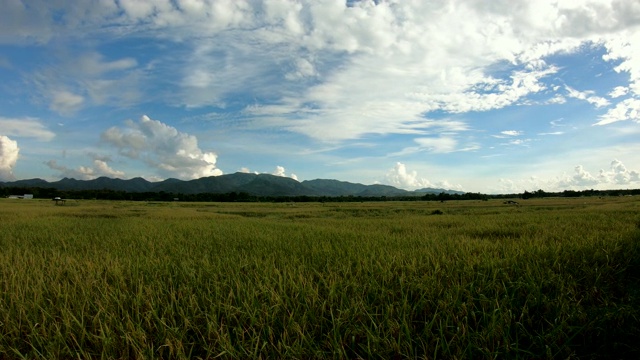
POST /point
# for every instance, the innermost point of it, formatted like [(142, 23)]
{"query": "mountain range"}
[(254, 184)]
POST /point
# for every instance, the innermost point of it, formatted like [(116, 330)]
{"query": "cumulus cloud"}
[(246, 170), (280, 171), (171, 152), (9, 152), (99, 168), (583, 177), (619, 174), (26, 127), (628, 109), (399, 176), (616, 176)]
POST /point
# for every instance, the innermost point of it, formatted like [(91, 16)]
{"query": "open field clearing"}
[(550, 278)]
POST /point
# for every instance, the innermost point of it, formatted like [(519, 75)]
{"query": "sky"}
[(496, 96)]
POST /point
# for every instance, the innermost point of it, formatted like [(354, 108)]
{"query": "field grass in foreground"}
[(552, 278)]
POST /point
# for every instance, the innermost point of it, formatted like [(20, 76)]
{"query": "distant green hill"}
[(254, 184)]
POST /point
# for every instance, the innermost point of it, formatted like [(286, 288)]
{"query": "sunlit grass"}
[(552, 278)]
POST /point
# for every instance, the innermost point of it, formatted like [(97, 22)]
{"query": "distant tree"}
[(570, 193)]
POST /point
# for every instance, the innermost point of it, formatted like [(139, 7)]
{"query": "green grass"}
[(552, 278)]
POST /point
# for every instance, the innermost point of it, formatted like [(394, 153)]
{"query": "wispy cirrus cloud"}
[(407, 77), (341, 53), (26, 127), (588, 96)]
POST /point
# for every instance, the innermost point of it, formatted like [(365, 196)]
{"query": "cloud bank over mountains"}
[(475, 90)]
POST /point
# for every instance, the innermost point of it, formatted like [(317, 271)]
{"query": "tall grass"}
[(549, 279)]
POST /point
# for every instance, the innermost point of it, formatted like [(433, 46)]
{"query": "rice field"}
[(546, 279)]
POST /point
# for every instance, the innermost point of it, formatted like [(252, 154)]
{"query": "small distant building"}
[(25, 196)]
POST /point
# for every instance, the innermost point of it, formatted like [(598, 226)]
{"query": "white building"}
[(25, 196)]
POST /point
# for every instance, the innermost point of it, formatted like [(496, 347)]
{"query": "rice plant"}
[(552, 278)]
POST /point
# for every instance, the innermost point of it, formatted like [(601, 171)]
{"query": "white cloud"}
[(583, 178), (170, 152), (94, 63), (400, 177), (557, 123), (628, 109), (517, 142), (618, 174), (26, 127), (330, 70), (618, 91), (580, 179), (280, 171), (331, 56), (623, 48), (9, 152), (345, 70), (508, 133), (437, 145), (522, 84), (557, 99), (100, 168), (588, 96), (303, 68), (70, 83), (65, 102)]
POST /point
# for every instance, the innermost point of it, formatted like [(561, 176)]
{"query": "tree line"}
[(107, 194)]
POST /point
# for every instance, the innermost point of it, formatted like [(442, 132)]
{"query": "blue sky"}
[(492, 97)]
